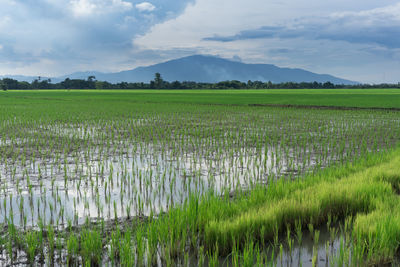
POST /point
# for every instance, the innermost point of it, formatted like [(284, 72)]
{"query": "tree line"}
[(159, 83)]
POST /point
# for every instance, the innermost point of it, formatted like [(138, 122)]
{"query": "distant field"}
[(380, 98)]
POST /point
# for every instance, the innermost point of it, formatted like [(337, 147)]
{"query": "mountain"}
[(210, 69)]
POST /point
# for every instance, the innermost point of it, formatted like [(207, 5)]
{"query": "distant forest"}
[(160, 83)]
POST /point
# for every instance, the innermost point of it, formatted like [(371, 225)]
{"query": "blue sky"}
[(357, 40)]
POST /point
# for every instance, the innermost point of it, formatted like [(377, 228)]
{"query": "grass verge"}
[(365, 191)]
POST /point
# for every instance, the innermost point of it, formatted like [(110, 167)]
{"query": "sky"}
[(357, 40)]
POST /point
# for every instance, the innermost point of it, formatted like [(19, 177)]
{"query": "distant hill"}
[(210, 69)]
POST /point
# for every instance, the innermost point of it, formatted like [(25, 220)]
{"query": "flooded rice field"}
[(67, 172)]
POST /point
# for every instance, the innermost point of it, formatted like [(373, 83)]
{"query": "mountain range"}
[(201, 68)]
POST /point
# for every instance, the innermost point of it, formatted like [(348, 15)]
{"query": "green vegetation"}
[(371, 193), (91, 247), (198, 177), (159, 83), (367, 98)]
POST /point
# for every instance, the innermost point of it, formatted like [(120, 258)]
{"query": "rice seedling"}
[(213, 258), (127, 257), (115, 247), (72, 250), (91, 248), (51, 243), (32, 245), (299, 232)]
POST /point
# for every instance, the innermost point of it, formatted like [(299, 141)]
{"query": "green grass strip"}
[(370, 195)]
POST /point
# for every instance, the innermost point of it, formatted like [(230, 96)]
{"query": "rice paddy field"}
[(200, 178)]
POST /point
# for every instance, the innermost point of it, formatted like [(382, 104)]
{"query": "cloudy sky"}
[(357, 40)]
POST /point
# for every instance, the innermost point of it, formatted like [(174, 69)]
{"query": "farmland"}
[(199, 177), (363, 98)]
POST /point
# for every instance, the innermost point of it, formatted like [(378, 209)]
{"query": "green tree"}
[(3, 86), (158, 81), (328, 85), (10, 83), (91, 82), (176, 85)]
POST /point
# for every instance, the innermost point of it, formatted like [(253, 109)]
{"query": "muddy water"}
[(324, 252)]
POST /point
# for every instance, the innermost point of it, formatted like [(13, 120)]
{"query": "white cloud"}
[(377, 26), (4, 21), (63, 36), (122, 5), (207, 18), (381, 14), (145, 6), (83, 7), (89, 7), (57, 37)]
